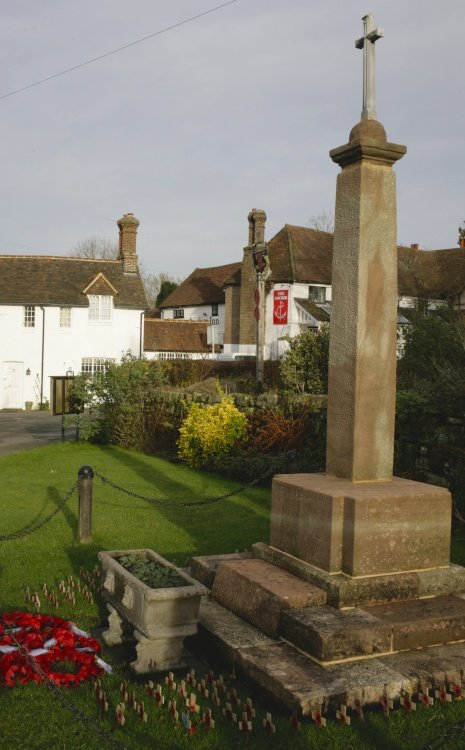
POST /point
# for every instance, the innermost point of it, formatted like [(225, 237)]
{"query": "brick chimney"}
[(247, 329), (415, 246), (127, 243), (257, 219)]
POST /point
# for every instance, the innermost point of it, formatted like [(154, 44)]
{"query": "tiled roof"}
[(432, 274), (60, 280), (175, 335), (203, 287), (301, 254), (315, 310)]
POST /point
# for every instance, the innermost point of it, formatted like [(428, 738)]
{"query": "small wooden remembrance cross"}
[(367, 43)]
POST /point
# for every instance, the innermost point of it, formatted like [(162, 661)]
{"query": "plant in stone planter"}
[(158, 599), (151, 572)]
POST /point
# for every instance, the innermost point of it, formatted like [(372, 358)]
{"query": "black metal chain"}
[(61, 696), (40, 524), (182, 503)]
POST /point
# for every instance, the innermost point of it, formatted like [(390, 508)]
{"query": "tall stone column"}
[(362, 360)]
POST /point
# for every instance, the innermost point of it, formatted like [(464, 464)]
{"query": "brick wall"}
[(232, 311)]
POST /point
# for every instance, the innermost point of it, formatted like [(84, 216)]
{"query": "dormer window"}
[(100, 307), (317, 293)]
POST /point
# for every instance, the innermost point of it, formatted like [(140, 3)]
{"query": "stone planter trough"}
[(161, 617)]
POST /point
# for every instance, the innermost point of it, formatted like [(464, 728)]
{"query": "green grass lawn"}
[(31, 716)]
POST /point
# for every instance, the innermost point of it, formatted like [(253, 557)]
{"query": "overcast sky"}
[(238, 109)]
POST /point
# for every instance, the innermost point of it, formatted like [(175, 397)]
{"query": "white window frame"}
[(100, 308), (94, 365), (65, 317), (178, 313), (29, 316)]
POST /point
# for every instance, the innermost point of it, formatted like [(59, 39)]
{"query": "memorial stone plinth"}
[(361, 529), (374, 548), (359, 533)]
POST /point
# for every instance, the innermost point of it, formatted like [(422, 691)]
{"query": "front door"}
[(12, 385)]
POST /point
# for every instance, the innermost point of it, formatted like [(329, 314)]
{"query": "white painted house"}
[(298, 290), (298, 293), (65, 315)]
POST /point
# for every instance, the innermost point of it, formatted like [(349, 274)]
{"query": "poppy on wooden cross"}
[(407, 703), (245, 725), (425, 698), (341, 715), (319, 720), (207, 719), (228, 713), (443, 695), (268, 725)]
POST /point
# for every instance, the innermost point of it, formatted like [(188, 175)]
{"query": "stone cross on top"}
[(367, 43)]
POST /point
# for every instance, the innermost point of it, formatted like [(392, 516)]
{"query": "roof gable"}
[(100, 285)]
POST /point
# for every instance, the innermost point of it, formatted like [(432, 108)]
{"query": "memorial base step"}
[(297, 682), (259, 592)]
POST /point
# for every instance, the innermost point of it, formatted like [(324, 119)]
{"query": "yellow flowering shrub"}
[(210, 430)]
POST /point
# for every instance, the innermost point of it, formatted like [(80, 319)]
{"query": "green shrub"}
[(304, 367), (210, 430), (120, 400)]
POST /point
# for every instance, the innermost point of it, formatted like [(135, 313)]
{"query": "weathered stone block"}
[(258, 592), (331, 634), (361, 529), (345, 591), (428, 668), (226, 633), (423, 622), (204, 568), (291, 677), (301, 685), (307, 514), (367, 681)]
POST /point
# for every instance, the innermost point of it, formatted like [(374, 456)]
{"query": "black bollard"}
[(85, 477)]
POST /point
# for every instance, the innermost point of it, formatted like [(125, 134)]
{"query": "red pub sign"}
[(280, 306)]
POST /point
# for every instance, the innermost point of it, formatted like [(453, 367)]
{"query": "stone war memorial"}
[(354, 600)]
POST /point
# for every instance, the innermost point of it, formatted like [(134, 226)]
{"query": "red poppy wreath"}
[(34, 647)]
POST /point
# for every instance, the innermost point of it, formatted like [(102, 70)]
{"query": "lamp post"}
[(262, 270)]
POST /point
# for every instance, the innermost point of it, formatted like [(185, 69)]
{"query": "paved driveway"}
[(28, 429)]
